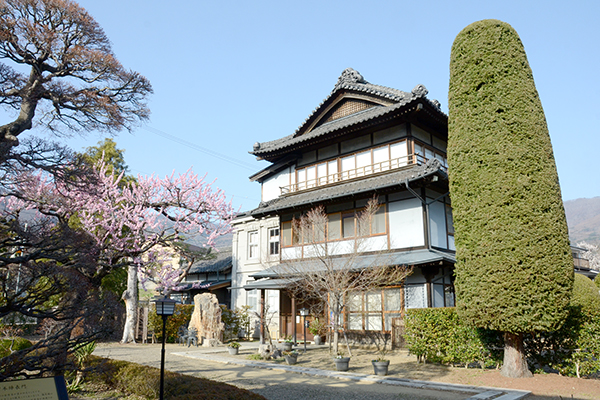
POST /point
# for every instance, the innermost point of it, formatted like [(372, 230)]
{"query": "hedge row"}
[(437, 335)]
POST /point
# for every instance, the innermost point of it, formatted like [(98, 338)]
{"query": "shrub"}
[(181, 316), (14, 344), (437, 335), (231, 321), (574, 349), (144, 381)]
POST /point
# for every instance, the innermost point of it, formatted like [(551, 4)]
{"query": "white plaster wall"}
[(406, 224), (271, 186)]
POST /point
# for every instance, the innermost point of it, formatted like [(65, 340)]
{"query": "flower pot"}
[(341, 364), (381, 367), (318, 340), (233, 350), (286, 346), (290, 360)]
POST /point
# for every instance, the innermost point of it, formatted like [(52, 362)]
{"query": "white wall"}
[(244, 267), (271, 186), (406, 224)]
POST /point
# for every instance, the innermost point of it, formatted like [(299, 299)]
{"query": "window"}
[(273, 241), (252, 299), (348, 226), (339, 226), (374, 310), (253, 244), (286, 233)]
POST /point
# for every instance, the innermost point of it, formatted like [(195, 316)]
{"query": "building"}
[(363, 140), (208, 275)]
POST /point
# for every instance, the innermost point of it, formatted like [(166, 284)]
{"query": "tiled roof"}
[(410, 258), (220, 263), (351, 187), (353, 81)]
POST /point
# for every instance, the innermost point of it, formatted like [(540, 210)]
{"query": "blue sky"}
[(227, 74)]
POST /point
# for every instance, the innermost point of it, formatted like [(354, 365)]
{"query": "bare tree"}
[(319, 273), (74, 80)]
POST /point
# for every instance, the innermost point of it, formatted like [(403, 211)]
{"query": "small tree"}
[(514, 269), (318, 274)]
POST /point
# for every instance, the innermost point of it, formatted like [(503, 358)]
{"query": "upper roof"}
[(352, 101)]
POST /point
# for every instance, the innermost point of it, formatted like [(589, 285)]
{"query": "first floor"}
[(365, 314)]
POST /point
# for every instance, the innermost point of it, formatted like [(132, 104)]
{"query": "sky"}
[(227, 74)]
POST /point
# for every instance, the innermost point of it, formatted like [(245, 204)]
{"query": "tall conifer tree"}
[(514, 269)]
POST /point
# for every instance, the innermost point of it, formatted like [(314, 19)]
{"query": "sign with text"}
[(53, 388)]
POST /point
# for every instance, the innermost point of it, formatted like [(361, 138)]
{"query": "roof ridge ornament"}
[(350, 75), (420, 91)]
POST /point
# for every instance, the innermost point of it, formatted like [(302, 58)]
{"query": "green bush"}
[(144, 381), (437, 335), (181, 316), (231, 321), (574, 349), (15, 344)]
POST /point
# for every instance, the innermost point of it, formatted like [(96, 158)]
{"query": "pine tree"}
[(514, 269)]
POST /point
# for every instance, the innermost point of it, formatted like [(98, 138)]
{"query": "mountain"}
[(583, 218)]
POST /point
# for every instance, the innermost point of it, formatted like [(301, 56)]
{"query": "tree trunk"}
[(130, 296), (515, 364)]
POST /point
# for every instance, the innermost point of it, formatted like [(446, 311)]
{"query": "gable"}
[(345, 104), (351, 94)]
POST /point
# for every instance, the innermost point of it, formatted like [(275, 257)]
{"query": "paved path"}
[(282, 382)]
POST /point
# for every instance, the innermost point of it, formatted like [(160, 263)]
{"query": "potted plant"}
[(317, 329), (341, 362), (291, 357), (233, 347), (380, 366), (287, 344)]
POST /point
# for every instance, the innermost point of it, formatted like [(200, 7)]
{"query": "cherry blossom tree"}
[(133, 225)]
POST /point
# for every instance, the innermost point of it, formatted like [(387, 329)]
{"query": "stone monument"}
[(206, 319)]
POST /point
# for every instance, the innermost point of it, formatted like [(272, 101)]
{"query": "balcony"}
[(358, 173)]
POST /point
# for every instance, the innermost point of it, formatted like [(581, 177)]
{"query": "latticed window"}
[(373, 310)]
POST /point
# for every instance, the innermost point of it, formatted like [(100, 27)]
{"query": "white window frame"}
[(274, 241), (252, 245)]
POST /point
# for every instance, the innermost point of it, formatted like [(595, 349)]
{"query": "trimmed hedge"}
[(144, 381), (438, 335), (514, 268), (181, 316)]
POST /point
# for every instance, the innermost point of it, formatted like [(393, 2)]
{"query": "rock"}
[(206, 318)]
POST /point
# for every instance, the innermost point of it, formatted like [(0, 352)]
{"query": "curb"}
[(479, 392)]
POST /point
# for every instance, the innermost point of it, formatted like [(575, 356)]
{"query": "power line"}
[(200, 148)]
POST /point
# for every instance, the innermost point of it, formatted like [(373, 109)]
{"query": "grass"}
[(124, 380)]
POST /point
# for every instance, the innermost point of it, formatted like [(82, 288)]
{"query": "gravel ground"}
[(272, 384), (278, 384)]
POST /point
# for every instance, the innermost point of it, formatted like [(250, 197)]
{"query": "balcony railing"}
[(388, 165)]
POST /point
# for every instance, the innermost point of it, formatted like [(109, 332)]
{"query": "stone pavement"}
[(278, 381)]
